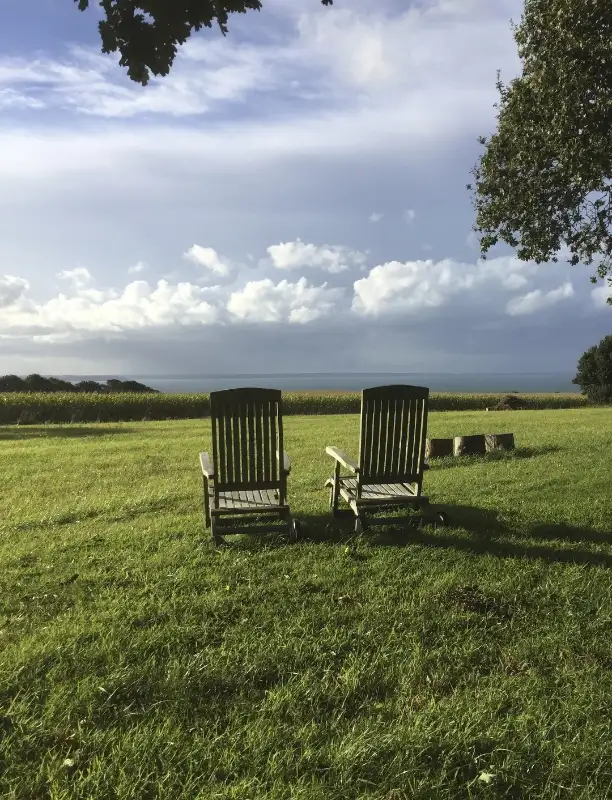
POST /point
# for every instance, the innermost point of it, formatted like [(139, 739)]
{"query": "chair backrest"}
[(393, 434), (247, 432)]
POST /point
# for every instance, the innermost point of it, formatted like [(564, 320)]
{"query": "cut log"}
[(438, 448), (470, 445), (499, 441)]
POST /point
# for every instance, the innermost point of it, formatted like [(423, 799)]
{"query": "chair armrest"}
[(342, 458), (286, 461), (207, 467)]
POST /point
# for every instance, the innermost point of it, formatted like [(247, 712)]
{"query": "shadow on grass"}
[(58, 431), (499, 455), (470, 529)]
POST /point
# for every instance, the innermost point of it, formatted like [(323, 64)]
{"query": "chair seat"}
[(378, 493), (246, 500)]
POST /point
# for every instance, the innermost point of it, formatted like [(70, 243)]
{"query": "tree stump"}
[(499, 441), (438, 448), (470, 445)]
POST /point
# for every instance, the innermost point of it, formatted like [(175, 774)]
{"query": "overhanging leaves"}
[(147, 33), (544, 181)]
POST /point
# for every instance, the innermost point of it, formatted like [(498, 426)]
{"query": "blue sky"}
[(291, 197)]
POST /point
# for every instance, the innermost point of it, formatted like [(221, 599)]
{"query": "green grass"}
[(68, 407), (138, 662)]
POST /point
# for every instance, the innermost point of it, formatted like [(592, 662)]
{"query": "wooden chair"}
[(389, 473), (248, 475)]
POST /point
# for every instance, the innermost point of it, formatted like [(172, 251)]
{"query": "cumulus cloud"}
[(137, 307), (265, 301), (414, 287), (411, 286), (411, 289), (330, 258), (79, 277), (537, 300), (601, 294), (375, 217), (137, 268), (209, 259), (409, 215), (11, 290)]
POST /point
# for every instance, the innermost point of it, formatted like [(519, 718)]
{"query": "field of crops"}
[(33, 408)]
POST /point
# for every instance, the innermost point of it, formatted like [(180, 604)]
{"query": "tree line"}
[(38, 383)]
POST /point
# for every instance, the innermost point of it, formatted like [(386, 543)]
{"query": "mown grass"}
[(32, 408), (471, 661)]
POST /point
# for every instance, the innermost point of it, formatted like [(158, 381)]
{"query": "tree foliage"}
[(544, 181), (147, 33), (594, 375), (38, 383)]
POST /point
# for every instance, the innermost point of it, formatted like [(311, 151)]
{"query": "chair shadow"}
[(57, 431), (519, 454), (487, 534)]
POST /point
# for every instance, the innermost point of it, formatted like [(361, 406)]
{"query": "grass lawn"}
[(136, 661)]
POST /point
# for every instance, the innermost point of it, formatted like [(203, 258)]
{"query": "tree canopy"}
[(594, 374), (543, 183), (38, 383), (147, 33)]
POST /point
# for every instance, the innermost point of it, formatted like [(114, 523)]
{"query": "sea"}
[(504, 383)]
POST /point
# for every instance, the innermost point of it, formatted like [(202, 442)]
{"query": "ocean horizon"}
[(333, 381)]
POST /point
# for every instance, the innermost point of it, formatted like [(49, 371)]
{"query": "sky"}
[(292, 197)]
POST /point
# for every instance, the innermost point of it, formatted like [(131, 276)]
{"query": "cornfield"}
[(33, 408)]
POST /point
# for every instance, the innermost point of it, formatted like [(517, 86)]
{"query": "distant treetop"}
[(36, 383)]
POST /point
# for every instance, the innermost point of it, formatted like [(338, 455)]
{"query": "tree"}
[(594, 375), (147, 32), (543, 183)]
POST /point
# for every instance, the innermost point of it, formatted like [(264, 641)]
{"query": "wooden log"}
[(438, 448), (499, 441), (470, 445)]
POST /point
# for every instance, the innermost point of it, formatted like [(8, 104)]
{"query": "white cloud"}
[(137, 268), (395, 286), (416, 287), (11, 290), (375, 216), (89, 311), (330, 258), (209, 259), (434, 44), (79, 277), (91, 83), (601, 294), (409, 215), (537, 299), (265, 301), (13, 99)]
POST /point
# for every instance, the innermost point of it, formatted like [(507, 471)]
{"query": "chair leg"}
[(218, 540), (335, 490), (206, 503)]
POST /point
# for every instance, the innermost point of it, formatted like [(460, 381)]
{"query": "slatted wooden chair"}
[(247, 479), (389, 473)]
